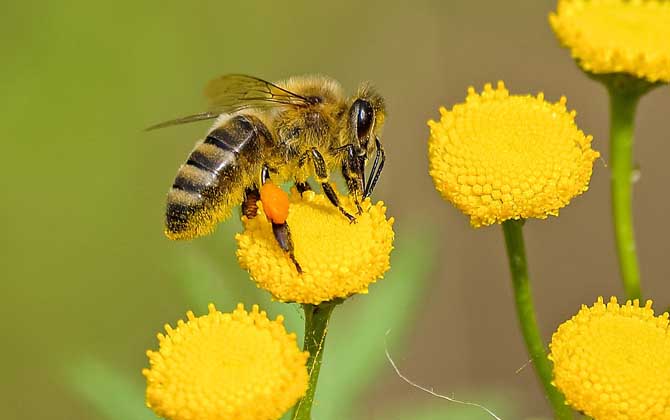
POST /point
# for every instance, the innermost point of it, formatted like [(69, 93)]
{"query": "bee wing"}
[(234, 92), (184, 120)]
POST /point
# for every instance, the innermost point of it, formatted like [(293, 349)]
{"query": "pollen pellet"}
[(275, 203)]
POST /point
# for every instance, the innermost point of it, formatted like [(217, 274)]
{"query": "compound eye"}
[(364, 118)]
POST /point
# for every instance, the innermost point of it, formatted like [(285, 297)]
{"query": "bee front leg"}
[(321, 172), (377, 166), (352, 171)]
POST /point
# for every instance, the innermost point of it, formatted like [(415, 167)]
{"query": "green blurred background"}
[(88, 277)]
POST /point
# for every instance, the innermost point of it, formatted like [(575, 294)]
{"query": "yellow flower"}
[(613, 362), (617, 36), (338, 258), (500, 156), (232, 366)]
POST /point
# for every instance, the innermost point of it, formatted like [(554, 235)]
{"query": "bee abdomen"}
[(209, 184), (193, 179)]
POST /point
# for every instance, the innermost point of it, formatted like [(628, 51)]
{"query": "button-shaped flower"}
[(617, 36), (226, 366), (499, 156), (338, 258), (612, 361)]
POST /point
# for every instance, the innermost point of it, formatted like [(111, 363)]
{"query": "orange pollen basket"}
[(275, 203)]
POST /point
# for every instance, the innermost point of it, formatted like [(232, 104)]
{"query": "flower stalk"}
[(516, 253), (317, 318), (625, 92), (622, 115)]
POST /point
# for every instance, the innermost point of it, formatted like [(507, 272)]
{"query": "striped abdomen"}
[(213, 179)]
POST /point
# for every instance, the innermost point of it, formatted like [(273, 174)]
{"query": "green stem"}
[(622, 109), (625, 92), (516, 254), (316, 328)]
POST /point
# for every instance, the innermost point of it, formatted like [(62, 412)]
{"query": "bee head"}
[(366, 119)]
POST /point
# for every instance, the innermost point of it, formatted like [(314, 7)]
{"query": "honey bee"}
[(287, 131)]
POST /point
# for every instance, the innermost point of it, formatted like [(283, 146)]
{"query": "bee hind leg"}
[(281, 231), (283, 236)]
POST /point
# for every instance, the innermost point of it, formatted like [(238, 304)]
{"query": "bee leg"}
[(252, 196), (281, 231), (265, 174), (250, 203), (332, 197), (283, 236), (302, 187), (322, 176), (377, 166), (354, 175)]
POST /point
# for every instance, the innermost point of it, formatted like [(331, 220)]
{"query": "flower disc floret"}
[(338, 258), (500, 156), (612, 361), (617, 36), (226, 366)]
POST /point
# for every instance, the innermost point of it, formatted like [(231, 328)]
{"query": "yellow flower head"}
[(617, 36), (612, 361), (232, 366), (500, 156), (338, 258)]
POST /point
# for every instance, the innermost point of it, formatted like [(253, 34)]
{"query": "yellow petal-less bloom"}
[(338, 258), (226, 366), (613, 361), (617, 36), (499, 156)]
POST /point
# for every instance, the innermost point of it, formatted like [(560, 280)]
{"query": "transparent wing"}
[(184, 120), (235, 92)]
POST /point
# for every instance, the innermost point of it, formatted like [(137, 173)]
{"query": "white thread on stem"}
[(430, 391)]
